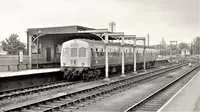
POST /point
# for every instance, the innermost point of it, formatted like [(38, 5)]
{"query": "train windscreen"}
[(82, 52), (73, 52), (66, 52)]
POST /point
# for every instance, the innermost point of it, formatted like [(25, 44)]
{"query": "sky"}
[(173, 20)]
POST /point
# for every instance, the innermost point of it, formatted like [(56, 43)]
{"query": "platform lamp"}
[(39, 34)]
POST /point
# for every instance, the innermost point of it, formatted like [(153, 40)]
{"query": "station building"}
[(44, 44), (185, 52)]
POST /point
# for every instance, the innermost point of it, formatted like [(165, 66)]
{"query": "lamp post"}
[(37, 38), (134, 38), (144, 51)]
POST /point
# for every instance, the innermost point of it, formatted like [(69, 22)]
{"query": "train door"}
[(48, 54), (92, 56)]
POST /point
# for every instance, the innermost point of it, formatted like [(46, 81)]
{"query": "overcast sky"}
[(177, 20)]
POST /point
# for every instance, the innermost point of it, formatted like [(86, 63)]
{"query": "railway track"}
[(67, 101), (155, 100), (34, 89), (38, 88)]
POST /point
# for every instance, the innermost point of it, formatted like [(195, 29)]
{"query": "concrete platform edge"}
[(177, 93)]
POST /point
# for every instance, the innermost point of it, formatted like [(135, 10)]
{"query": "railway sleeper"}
[(66, 99), (147, 109), (65, 110), (72, 107), (80, 105), (31, 111), (149, 104)]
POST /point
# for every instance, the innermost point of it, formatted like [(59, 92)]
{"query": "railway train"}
[(84, 59)]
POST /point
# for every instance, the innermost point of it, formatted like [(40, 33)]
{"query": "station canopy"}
[(64, 31)]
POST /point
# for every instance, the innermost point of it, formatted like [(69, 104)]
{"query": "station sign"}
[(20, 56)]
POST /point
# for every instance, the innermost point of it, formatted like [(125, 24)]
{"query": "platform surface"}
[(187, 99), (28, 72)]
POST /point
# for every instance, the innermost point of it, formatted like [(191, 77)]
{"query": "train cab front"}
[(74, 58)]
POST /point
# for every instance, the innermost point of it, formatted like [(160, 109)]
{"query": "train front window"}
[(73, 52), (66, 52), (82, 52)]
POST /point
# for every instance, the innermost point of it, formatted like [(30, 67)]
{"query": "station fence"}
[(11, 63)]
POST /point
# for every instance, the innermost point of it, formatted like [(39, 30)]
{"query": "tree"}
[(182, 46), (196, 47), (12, 45)]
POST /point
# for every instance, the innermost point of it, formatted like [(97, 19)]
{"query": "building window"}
[(58, 48)]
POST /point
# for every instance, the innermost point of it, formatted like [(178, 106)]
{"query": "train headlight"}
[(64, 63)]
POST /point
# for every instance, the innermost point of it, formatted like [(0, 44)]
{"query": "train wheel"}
[(97, 73), (91, 75), (65, 74), (68, 75), (85, 76)]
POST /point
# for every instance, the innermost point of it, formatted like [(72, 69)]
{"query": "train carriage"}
[(85, 59)]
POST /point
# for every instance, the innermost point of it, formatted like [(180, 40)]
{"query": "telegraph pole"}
[(171, 43), (147, 39)]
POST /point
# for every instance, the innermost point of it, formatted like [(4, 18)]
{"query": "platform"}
[(186, 99), (26, 78), (28, 72)]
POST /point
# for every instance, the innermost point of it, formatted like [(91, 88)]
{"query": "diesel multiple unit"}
[(85, 59)]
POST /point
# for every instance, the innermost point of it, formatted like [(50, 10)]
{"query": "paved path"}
[(188, 99)]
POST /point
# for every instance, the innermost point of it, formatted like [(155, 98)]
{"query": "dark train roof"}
[(111, 43)]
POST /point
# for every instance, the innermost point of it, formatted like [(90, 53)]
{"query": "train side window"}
[(102, 52), (114, 53), (82, 52), (96, 52), (125, 53), (92, 52), (66, 52), (130, 52), (110, 53), (119, 52), (142, 52)]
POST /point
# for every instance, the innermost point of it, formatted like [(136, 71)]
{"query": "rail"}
[(135, 106)]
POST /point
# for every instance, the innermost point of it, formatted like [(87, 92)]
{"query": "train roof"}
[(111, 43)]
